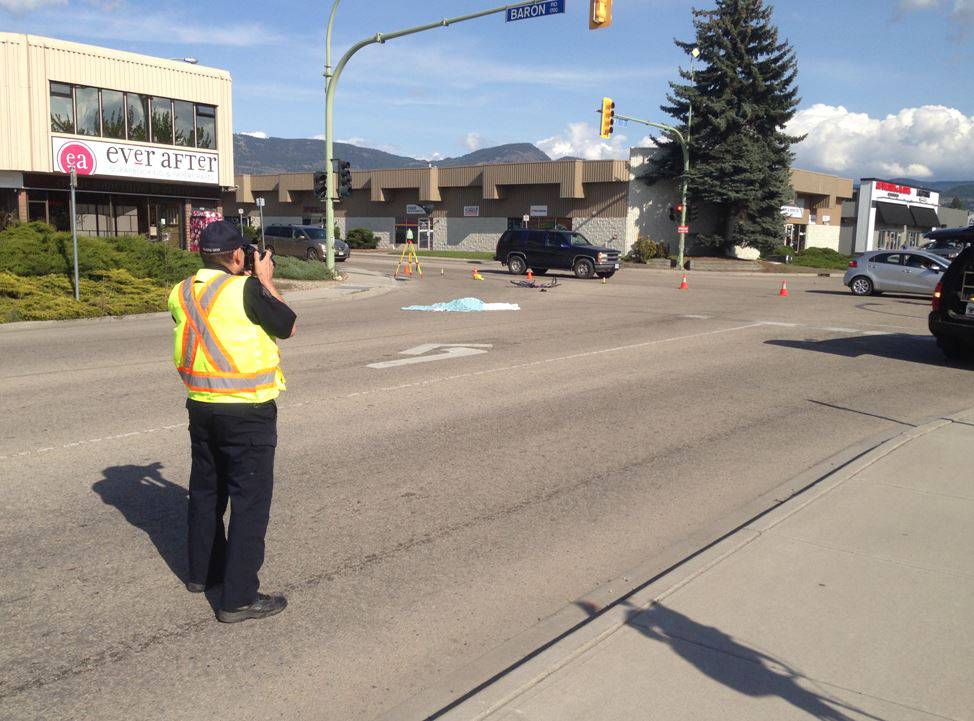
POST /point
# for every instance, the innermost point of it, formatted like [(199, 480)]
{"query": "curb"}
[(478, 689)]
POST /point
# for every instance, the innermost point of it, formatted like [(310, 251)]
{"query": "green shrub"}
[(783, 250), (51, 297), (644, 250), (290, 268), (821, 258), (361, 238)]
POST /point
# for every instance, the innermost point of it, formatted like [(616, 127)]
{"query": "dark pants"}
[(233, 459)]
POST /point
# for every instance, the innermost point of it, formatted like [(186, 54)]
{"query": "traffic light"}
[(321, 186), (672, 213), (678, 211), (599, 14), (343, 169), (608, 117)]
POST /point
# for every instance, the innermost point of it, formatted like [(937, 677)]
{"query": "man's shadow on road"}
[(153, 504), (738, 667)]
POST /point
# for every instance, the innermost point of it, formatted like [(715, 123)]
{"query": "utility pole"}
[(331, 82), (74, 232)]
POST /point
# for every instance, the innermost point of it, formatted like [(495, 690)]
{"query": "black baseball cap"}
[(220, 237)]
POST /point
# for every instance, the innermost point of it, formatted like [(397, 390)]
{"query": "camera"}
[(249, 257)]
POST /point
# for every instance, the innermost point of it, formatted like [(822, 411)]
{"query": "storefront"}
[(457, 208), (892, 215), (150, 139)]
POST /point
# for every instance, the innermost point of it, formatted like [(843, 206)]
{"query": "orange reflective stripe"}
[(213, 336), (213, 351)]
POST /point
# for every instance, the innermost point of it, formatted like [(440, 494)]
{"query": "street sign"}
[(683, 229), (535, 10), (260, 201), (413, 209)]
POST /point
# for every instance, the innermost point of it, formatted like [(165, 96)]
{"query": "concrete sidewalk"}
[(852, 600)]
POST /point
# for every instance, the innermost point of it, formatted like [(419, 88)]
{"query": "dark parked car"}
[(302, 241), (951, 318), (948, 242), (541, 250)]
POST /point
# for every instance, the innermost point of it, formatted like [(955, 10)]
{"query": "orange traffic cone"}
[(683, 283), (474, 274), (784, 289), (530, 274), (407, 269)]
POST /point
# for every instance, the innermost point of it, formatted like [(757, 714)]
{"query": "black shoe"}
[(263, 607)]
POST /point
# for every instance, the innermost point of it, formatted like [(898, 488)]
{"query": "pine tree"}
[(742, 96)]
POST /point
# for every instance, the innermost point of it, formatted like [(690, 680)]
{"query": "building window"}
[(161, 113), (183, 125), (113, 114), (88, 111), (62, 108), (137, 112), (205, 126)]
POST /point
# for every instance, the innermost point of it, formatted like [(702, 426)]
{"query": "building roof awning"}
[(924, 216), (894, 214)]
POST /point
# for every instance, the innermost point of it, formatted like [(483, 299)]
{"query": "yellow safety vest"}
[(220, 354)]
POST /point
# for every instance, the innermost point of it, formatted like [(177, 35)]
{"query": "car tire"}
[(313, 254), (606, 274), (516, 265), (861, 285), (584, 268), (539, 271)]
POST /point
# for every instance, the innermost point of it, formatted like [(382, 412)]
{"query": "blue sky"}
[(886, 85)]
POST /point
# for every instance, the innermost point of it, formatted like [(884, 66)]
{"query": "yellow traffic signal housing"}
[(608, 117), (599, 14)]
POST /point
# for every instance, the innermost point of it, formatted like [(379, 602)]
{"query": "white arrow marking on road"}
[(450, 350)]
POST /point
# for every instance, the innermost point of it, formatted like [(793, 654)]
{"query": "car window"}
[(893, 258), (271, 230), (300, 234), (557, 240), (919, 261)]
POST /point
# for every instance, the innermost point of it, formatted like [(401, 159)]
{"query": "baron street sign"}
[(535, 10)]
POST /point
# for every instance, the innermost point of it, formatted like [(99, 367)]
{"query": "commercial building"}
[(151, 139), (885, 214), (813, 219), (457, 208)]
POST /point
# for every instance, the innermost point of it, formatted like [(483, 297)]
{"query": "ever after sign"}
[(99, 157)]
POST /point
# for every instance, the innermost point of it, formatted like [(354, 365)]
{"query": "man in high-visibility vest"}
[(227, 319)]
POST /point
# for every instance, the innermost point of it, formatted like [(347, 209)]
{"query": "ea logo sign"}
[(77, 156)]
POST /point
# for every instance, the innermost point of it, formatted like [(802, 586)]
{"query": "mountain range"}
[(301, 155), (948, 189)]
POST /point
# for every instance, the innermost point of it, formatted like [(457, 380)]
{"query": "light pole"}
[(331, 82), (694, 54)]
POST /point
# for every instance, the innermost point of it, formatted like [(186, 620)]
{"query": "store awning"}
[(924, 216), (894, 214)]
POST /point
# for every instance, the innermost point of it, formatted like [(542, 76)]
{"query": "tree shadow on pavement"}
[(151, 503), (722, 658), (896, 346)]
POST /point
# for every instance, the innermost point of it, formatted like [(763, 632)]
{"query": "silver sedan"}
[(895, 271)]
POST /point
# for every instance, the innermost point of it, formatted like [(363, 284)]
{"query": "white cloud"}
[(924, 142), (582, 140), (22, 6), (961, 11), (361, 142), (473, 141), (255, 134)]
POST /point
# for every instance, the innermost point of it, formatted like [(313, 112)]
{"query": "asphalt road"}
[(424, 514)]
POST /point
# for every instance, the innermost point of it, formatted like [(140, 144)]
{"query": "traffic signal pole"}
[(331, 82), (683, 184)]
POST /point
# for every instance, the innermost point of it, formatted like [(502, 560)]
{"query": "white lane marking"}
[(428, 382), (699, 317), (450, 350)]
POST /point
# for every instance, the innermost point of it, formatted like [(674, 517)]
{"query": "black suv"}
[(540, 250), (951, 318)]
